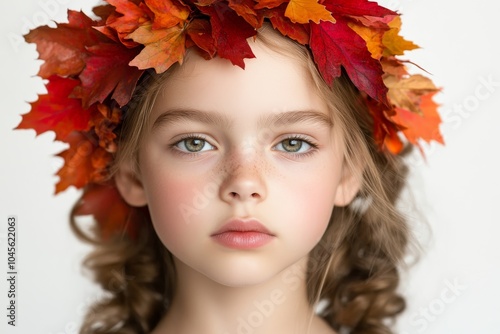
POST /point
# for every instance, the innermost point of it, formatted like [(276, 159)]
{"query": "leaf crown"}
[(92, 68)]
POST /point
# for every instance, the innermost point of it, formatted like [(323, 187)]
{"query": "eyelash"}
[(311, 151)]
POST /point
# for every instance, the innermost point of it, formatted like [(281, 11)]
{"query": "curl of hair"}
[(354, 268)]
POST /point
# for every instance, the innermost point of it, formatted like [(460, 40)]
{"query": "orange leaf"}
[(372, 37), (394, 43), (84, 162), (303, 11), (168, 13), (163, 47), (424, 126)]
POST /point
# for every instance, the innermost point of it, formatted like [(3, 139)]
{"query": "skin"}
[(240, 169)]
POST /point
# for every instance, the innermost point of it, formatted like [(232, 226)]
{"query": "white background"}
[(453, 288)]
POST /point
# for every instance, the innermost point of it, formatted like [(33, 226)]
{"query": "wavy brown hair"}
[(353, 270)]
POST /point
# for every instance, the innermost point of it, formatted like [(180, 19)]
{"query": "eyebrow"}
[(213, 118)]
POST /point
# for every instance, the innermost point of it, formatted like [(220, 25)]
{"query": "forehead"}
[(270, 83)]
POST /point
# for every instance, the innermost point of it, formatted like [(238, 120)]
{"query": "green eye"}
[(194, 144), (294, 145)]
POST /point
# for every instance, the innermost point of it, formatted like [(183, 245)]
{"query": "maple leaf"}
[(63, 48), (357, 8), (385, 132), (269, 3), (104, 122), (245, 9), (423, 126), (55, 111), (303, 11), (200, 32), (126, 18), (111, 212), (108, 71), (336, 45), (372, 37), (394, 67), (296, 31), (230, 32), (167, 13), (84, 162), (163, 47), (405, 93), (395, 44)]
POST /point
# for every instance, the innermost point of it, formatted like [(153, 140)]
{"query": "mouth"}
[(243, 234)]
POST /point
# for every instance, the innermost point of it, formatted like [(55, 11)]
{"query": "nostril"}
[(233, 194), (255, 195)]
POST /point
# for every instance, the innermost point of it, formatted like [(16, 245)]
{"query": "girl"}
[(257, 198)]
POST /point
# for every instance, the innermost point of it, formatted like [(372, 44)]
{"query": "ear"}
[(129, 186), (349, 186)]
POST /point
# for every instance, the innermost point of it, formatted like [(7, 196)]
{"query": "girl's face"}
[(231, 144)]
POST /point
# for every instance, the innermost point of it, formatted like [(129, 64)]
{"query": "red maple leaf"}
[(296, 31), (108, 71), (84, 162), (111, 212), (56, 111), (63, 48), (245, 9), (230, 32), (200, 33), (356, 8), (334, 45)]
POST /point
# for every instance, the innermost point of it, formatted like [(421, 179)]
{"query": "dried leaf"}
[(55, 111), (406, 93), (84, 162), (112, 213), (295, 31), (200, 32), (245, 9), (336, 45), (107, 72), (423, 126), (357, 8), (163, 47), (167, 13), (393, 42), (269, 3), (230, 32), (126, 18), (303, 11), (63, 48)]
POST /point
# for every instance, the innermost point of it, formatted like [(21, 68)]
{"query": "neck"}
[(279, 305)]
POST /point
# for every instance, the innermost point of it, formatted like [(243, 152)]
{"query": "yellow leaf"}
[(303, 11), (372, 37), (395, 44)]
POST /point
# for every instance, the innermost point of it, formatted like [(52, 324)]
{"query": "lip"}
[(243, 234)]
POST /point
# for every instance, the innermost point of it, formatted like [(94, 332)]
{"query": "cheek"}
[(171, 202)]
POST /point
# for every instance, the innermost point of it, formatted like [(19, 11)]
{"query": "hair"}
[(353, 270)]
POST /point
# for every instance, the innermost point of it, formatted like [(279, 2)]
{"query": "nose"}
[(243, 182)]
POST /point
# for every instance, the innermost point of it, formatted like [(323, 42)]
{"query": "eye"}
[(295, 144), (193, 144)]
